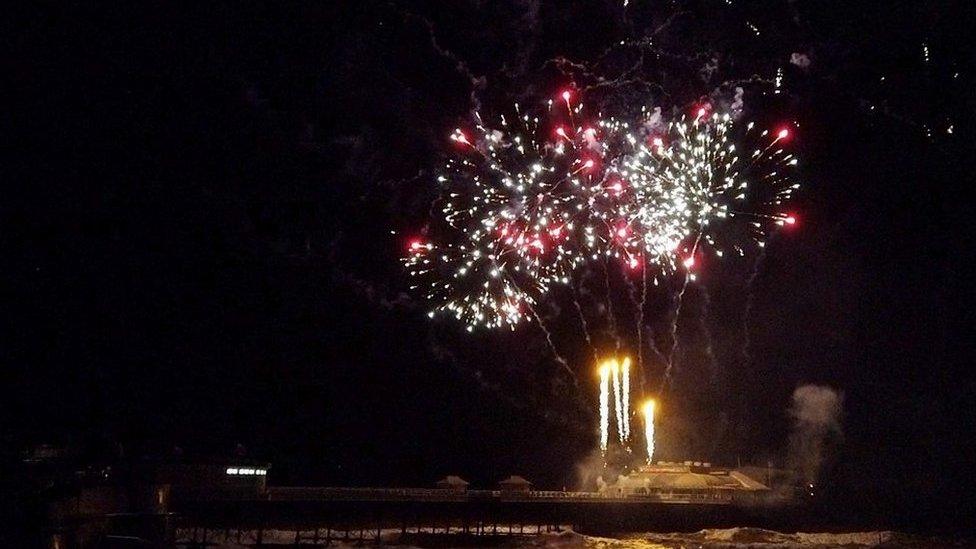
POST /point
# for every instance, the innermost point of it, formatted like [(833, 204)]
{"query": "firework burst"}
[(521, 203), (527, 202), (689, 185)]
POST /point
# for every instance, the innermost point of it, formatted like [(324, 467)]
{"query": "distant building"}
[(42, 453), (234, 478), (688, 481), (515, 483), (453, 483)]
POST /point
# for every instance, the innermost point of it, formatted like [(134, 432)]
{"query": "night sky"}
[(197, 243)]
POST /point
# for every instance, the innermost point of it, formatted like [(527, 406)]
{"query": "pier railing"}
[(300, 493)]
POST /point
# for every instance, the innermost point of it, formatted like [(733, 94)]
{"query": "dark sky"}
[(197, 239)]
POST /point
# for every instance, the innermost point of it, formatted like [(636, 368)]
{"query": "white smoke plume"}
[(816, 413), (655, 122), (592, 143), (590, 471), (800, 60), (736, 106)]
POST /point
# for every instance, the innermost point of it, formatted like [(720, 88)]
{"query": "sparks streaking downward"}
[(648, 412), (530, 200), (615, 377), (604, 405)]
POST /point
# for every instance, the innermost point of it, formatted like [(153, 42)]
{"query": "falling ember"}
[(648, 412)]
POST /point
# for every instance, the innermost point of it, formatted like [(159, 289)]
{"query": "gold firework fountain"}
[(615, 378), (648, 412)]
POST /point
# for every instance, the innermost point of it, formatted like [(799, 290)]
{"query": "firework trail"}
[(584, 324), (552, 346), (750, 302), (611, 317), (640, 330), (638, 321), (673, 332)]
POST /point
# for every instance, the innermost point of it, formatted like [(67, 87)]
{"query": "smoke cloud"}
[(816, 413), (800, 60), (655, 122), (736, 106)]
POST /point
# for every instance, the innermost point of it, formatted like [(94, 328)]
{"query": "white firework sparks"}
[(527, 203)]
